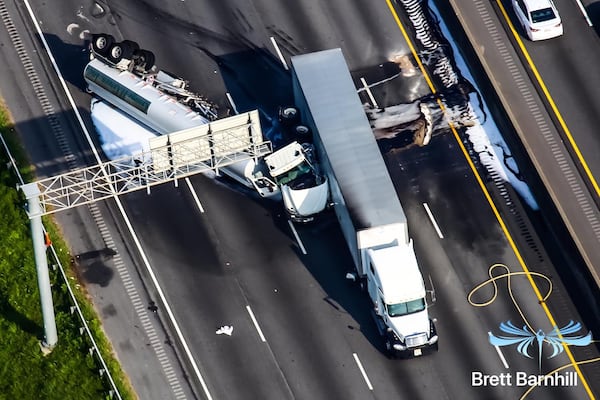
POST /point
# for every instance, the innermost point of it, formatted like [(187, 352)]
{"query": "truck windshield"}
[(298, 175), (413, 306)]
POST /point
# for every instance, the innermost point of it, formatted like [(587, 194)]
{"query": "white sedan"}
[(539, 18)]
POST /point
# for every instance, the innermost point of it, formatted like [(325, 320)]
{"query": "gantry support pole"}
[(35, 212)]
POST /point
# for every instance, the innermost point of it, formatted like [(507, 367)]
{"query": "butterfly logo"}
[(525, 338)]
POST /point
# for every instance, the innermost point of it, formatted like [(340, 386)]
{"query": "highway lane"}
[(193, 34), (384, 373), (561, 176), (199, 280), (566, 66), (472, 243)]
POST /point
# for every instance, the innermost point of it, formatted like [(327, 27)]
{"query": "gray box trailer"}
[(364, 199)]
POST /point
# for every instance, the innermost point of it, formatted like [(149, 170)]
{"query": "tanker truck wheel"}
[(144, 59), (101, 43), (122, 50)]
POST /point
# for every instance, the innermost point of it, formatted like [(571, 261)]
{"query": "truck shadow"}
[(70, 58), (328, 261), (593, 12), (255, 79)]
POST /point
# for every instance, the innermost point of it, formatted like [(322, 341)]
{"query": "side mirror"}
[(431, 292), (351, 276)]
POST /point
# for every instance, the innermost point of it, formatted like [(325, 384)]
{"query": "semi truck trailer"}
[(365, 202)]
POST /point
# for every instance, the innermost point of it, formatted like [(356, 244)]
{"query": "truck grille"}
[(416, 340)]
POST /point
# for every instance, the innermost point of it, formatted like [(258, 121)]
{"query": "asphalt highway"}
[(300, 330)]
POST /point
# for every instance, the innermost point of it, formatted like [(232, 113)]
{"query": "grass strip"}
[(70, 371)]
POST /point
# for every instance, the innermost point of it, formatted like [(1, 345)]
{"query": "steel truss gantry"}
[(170, 157)]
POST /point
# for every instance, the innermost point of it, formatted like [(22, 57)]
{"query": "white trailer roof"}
[(346, 135)]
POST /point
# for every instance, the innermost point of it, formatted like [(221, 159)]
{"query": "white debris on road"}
[(225, 330)]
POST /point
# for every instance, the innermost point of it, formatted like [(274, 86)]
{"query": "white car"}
[(539, 18)]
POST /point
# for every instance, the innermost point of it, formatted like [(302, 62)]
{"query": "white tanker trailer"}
[(140, 99)]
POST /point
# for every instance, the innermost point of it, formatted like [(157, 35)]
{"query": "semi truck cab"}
[(396, 288), (304, 189)]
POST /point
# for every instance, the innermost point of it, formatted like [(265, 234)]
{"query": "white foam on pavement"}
[(120, 136)]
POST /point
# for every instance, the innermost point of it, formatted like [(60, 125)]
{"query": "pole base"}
[(45, 347)]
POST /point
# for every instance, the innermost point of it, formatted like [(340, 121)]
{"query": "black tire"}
[(362, 284), (303, 134), (122, 50), (389, 349), (289, 116), (101, 43), (144, 59)]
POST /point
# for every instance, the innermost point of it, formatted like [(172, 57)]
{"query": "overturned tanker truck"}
[(126, 76)]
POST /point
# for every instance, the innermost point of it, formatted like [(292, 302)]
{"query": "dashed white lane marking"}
[(194, 195), (362, 371), (500, 355), (297, 237), (231, 102), (262, 337), (435, 225), (279, 53), (368, 90)]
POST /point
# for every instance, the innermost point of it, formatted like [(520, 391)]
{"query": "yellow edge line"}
[(557, 113), (489, 198)]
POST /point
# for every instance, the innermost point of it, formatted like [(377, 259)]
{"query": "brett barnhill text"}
[(520, 378)]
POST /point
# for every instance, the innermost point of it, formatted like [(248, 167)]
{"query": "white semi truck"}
[(125, 76), (365, 202)]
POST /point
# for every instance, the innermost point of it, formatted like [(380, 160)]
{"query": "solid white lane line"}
[(231, 102), (362, 371), (167, 307), (279, 53), (262, 337), (368, 89), (194, 195), (297, 237), (435, 225), (500, 355)]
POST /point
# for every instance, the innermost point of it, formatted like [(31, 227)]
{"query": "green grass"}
[(69, 371)]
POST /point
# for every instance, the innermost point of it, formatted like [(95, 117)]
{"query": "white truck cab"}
[(396, 287), (303, 188)]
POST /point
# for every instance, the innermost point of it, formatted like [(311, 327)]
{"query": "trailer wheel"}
[(101, 43), (289, 116), (303, 134), (122, 50), (144, 59)]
